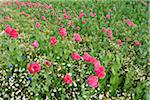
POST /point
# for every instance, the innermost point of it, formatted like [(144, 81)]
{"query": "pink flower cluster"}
[(35, 67), (66, 16), (98, 69)]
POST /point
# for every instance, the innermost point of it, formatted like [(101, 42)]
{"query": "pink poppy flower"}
[(82, 14), (34, 67), (79, 28), (43, 18), (38, 25), (2, 13), (103, 29), (26, 15), (59, 19), (11, 32), (108, 16), (46, 6), (92, 14), (35, 44), (8, 29), (14, 34), (53, 40), (93, 81), (94, 60), (77, 37), (130, 23), (87, 57), (119, 42), (99, 69), (97, 63), (48, 63), (38, 15), (67, 79), (30, 5), (51, 7), (101, 74), (62, 31), (7, 18), (75, 56), (137, 43), (35, 5)]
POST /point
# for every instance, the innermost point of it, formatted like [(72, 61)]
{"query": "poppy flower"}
[(67, 79), (11, 32), (93, 81), (62, 31), (76, 56), (35, 44), (38, 25), (77, 37), (53, 40), (137, 43), (34, 68)]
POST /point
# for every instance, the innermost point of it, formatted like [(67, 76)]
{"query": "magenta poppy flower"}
[(92, 14), (119, 42), (87, 57), (35, 44), (11, 32), (103, 29), (67, 79), (101, 74), (43, 18), (34, 67), (130, 23), (93, 81), (75, 56), (53, 40), (108, 16), (77, 37), (82, 14), (48, 63), (62, 31), (38, 25), (137, 43)]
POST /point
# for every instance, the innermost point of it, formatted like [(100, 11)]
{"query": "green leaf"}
[(114, 82)]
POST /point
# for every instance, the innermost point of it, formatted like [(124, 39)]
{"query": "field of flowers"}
[(74, 50)]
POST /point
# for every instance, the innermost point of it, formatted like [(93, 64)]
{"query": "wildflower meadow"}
[(74, 50)]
